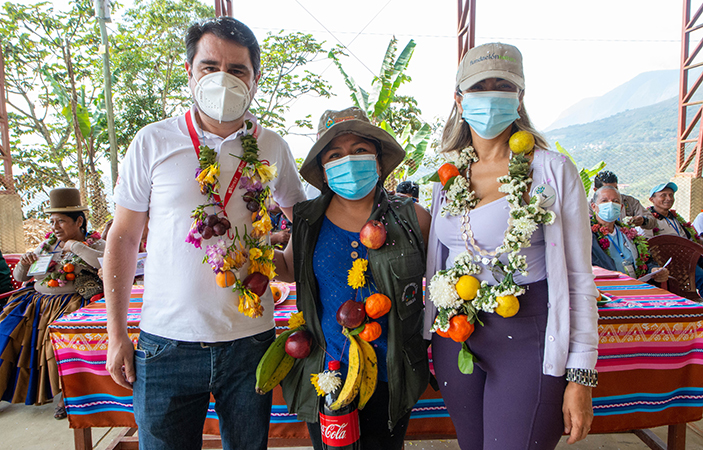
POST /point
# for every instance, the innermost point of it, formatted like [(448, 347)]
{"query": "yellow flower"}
[(214, 173), (267, 173), (228, 263), (240, 258), (313, 379), (255, 266), (263, 226), (255, 253), (357, 274), (296, 320), (269, 254), (250, 304), (268, 269)]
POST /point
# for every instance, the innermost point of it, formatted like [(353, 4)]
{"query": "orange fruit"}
[(53, 283), (225, 279), (444, 334), (371, 332), (68, 268), (377, 305), (446, 172), (276, 293), (70, 276), (459, 328)]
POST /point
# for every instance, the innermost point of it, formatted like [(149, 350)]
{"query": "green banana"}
[(278, 375), (354, 376), (370, 377), (271, 360)]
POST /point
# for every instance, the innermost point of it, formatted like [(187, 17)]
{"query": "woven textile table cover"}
[(650, 366)]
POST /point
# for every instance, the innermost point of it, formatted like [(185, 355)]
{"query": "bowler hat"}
[(63, 200)]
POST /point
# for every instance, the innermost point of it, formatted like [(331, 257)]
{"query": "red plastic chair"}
[(12, 260), (684, 256)]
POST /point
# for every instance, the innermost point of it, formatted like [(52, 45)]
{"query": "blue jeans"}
[(173, 386)]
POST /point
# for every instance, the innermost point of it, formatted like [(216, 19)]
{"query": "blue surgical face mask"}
[(352, 177), (609, 211), (490, 113)]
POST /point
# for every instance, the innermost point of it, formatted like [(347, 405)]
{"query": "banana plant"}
[(586, 175), (414, 144)]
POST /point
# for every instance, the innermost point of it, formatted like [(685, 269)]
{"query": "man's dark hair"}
[(408, 187), (605, 177), (224, 28)]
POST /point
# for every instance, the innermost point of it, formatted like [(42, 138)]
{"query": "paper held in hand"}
[(647, 277), (141, 260), (40, 266)]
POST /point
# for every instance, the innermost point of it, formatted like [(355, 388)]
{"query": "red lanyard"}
[(237, 175)]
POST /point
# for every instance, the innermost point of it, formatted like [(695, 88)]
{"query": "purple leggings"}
[(507, 403)]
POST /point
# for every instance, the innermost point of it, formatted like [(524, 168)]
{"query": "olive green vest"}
[(397, 268)]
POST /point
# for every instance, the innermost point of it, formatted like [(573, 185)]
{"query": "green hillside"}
[(639, 145)]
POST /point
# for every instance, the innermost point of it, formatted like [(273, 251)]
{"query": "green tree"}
[(284, 77), (148, 55), (397, 114), (53, 108)]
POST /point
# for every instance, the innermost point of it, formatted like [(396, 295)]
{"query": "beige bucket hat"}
[(351, 120)]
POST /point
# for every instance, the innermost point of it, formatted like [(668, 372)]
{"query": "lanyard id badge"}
[(629, 269)]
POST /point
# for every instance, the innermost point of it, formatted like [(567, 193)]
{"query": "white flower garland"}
[(522, 223)]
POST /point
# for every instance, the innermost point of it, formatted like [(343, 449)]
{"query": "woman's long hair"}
[(457, 133)]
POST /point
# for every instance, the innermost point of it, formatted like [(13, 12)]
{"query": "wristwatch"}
[(586, 377)]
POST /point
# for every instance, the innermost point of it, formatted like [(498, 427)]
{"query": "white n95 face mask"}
[(222, 96)]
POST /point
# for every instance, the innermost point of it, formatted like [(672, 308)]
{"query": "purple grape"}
[(207, 232), (225, 223), (211, 220), (219, 229), (253, 206), (249, 196)]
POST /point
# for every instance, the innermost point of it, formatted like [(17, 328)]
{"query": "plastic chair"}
[(684, 256), (12, 261)]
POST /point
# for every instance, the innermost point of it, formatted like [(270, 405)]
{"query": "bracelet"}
[(586, 377)]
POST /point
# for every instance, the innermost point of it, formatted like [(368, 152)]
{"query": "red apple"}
[(351, 314), (299, 344), (257, 282), (373, 234)]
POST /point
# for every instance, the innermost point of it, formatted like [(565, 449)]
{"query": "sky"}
[(571, 49)]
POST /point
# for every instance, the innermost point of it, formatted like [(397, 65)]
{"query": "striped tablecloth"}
[(650, 366)]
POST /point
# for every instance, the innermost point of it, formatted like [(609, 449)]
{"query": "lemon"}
[(521, 142), (467, 287), (508, 306)]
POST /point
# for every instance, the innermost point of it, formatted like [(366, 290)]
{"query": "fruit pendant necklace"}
[(247, 246), (448, 292)]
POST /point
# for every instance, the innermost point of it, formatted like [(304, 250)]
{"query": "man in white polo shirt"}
[(197, 337)]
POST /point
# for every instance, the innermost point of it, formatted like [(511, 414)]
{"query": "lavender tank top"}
[(488, 223)]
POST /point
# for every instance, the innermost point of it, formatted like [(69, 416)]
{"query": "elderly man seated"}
[(616, 246), (668, 222), (631, 207)]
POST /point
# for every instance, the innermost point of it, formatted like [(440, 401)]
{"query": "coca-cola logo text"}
[(335, 431)]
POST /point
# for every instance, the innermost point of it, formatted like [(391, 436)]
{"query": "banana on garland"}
[(370, 371), (362, 375), (274, 365)]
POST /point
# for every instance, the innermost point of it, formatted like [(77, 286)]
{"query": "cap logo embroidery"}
[(492, 56)]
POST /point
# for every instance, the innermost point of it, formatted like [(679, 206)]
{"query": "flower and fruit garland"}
[(692, 233), (458, 295), (61, 272), (640, 242), (357, 325), (249, 245)]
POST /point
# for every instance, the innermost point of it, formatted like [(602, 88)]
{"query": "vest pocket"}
[(408, 271)]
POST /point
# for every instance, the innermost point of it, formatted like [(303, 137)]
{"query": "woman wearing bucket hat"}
[(64, 268), (336, 261), (513, 270)]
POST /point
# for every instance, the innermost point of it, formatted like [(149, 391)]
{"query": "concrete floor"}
[(34, 428)]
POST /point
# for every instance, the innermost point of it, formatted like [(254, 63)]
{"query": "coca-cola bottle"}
[(340, 428)]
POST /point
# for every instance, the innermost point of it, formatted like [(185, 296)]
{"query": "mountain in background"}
[(638, 145), (645, 89)]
